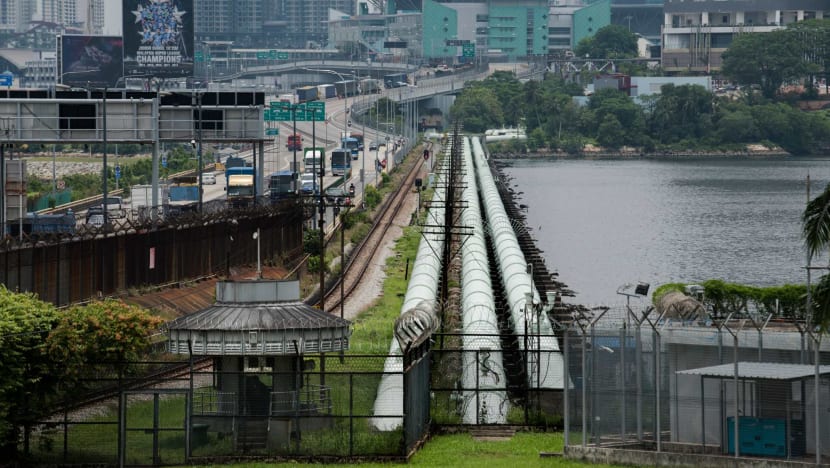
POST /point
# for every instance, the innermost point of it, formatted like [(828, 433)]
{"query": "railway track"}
[(171, 372), (363, 254)]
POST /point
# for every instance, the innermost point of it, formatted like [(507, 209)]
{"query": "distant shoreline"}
[(663, 155)]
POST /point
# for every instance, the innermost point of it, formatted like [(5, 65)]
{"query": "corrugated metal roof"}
[(258, 316), (759, 370)]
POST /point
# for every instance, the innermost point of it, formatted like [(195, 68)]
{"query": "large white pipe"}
[(543, 358), (422, 287), (482, 366)]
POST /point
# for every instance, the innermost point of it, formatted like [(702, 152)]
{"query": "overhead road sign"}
[(468, 50), (303, 112), (394, 45)]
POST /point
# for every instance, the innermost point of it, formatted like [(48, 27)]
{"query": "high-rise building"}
[(308, 21), (239, 21), (64, 12), (15, 15), (93, 15)]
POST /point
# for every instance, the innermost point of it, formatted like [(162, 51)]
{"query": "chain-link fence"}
[(516, 383), (646, 381), (310, 406)]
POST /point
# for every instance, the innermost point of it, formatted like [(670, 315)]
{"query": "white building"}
[(695, 34)]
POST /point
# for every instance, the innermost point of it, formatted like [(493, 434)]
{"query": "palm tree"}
[(816, 232)]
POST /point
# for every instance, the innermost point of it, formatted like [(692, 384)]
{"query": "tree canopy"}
[(47, 352), (769, 60), (612, 41)]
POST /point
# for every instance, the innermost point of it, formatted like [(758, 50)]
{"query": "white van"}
[(208, 178)]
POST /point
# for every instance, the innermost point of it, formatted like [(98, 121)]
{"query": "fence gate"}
[(153, 428)]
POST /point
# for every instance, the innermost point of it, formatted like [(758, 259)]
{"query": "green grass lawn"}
[(461, 450)]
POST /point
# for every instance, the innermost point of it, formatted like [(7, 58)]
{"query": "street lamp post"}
[(104, 128), (199, 147), (345, 93)]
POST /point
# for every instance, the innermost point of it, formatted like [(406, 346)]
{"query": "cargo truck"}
[(234, 161), (141, 200), (295, 142), (370, 86), (346, 88), (306, 94), (326, 91), (183, 195), (313, 160), (240, 186)]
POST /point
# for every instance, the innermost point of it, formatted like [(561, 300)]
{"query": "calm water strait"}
[(605, 223)]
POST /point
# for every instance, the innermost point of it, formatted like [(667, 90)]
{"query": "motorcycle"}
[(351, 190)]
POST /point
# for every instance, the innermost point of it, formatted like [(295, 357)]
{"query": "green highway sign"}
[(315, 110), (468, 50), (272, 54), (281, 111), (272, 131), (198, 57), (303, 112), (262, 55), (282, 55)]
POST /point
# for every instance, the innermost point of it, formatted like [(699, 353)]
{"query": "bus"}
[(281, 185), (341, 162), (351, 144)]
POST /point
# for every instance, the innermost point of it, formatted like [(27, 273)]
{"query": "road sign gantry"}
[(302, 112)]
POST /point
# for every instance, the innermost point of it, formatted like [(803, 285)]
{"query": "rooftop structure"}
[(695, 34)]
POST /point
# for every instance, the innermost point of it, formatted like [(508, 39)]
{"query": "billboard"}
[(91, 61), (158, 38)]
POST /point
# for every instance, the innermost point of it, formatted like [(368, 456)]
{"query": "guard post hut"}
[(260, 337)]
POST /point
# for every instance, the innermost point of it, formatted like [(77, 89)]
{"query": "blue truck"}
[(183, 195), (41, 225)]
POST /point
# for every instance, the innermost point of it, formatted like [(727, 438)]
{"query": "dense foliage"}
[(770, 60), (610, 42), (47, 352), (722, 298), (680, 118)]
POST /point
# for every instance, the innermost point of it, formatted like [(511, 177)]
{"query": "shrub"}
[(359, 233), (311, 242), (372, 197)]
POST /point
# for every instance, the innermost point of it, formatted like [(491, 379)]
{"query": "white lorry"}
[(141, 200)]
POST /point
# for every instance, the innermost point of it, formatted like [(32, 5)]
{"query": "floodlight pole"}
[(199, 149), (106, 193)]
